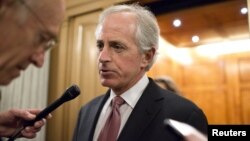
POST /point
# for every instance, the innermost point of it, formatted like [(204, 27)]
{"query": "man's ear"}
[(148, 57)]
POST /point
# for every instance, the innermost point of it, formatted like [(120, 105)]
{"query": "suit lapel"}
[(145, 110), (96, 113)]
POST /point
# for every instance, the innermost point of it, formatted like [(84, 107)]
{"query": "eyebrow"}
[(99, 41)]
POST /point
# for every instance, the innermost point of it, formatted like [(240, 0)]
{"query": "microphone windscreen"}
[(71, 92)]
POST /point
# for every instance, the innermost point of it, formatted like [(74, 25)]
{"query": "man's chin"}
[(5, 82), (107, 83)]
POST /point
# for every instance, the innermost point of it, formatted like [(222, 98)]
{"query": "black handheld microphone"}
[(71, 93)]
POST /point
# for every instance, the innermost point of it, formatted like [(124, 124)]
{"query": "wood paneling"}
[(244, 70), (245, 108), (204, 83), (164, 63), (244, 88), (221, 87), (206, 73), (81, 69), (212, 100)]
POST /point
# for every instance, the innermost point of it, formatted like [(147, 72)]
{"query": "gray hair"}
[(21, 14), (147, 31)]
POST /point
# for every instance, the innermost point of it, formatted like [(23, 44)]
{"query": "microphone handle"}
[(45, 112), (41, 115)]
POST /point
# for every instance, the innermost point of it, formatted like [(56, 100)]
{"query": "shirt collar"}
[(132, 95)]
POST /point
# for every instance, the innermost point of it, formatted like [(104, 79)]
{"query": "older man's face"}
[(25, 30), (121, 64)]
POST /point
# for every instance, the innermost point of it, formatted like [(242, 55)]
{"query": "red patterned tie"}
[(112, 125)]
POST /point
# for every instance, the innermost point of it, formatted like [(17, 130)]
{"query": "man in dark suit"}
[(127, 40)]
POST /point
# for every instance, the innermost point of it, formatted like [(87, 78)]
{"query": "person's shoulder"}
[(178, 101), (173, 99), (92, 104), (94, 101)]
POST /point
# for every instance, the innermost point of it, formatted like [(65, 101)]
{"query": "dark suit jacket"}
[(146, 120)]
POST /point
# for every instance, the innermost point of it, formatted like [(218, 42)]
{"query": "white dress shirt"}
[(131, 97)]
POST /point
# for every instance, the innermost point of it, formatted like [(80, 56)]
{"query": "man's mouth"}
[(106, 72)]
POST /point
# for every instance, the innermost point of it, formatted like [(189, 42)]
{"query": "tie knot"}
[(118, 101)]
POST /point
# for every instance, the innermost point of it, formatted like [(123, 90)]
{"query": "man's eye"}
[(117, 47), (99, 46), (43, 39)]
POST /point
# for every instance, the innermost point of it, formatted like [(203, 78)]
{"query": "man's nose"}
[(38, 58), (105, 55)]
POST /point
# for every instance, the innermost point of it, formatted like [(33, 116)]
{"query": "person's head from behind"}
[(127, 39), (167, 83), (27, 29)]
